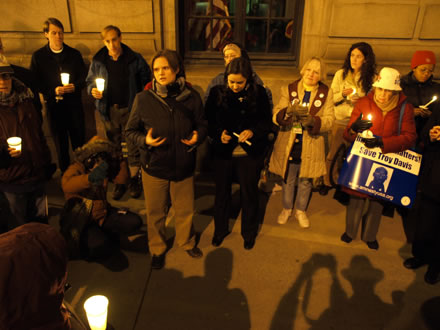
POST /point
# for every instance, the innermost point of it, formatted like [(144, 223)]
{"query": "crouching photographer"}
[(90, 225)]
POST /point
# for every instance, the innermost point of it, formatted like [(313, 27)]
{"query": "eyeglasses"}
[(5, 76), (425, 70), (229, 57)]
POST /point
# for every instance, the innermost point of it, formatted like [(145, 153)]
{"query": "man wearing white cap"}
[(22, 164), (383, 104)]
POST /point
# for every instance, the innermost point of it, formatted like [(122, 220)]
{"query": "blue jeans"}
[(304, 189), (28, 206)]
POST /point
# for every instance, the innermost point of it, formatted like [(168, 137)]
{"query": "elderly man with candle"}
[(384, 104), (64, 105), (22, 171)]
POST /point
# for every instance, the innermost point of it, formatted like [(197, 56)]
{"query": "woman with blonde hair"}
[(304, 113)]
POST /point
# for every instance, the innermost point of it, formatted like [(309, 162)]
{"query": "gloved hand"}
[(283, 118), (373, 142), (307, 121), (361, 125), (298, 110), (98, 174)]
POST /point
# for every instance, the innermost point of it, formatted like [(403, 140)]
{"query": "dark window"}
[(268, 29)]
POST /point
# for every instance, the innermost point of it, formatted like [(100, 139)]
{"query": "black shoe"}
[(413, 263), (195, 252), (432, 276), (324, 189), (119, 191), (249, 243), (345, 238), (157, 262), (135, 187), (218, 240), (374, 245)]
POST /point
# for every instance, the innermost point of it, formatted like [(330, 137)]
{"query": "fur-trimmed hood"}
[(96, 145)]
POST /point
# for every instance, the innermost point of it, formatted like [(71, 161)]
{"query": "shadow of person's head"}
[(218, 264)]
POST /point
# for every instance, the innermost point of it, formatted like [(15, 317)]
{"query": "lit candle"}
[(247, 142), (100, 84), (354, 91), (369, 117), (96, 310), (65, 78), (434, 98)]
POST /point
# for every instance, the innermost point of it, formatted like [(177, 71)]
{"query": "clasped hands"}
[(296, 111), (157, 141)]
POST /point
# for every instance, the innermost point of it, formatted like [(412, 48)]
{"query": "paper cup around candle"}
[(369, 117), (65, 78), (14, 142), (96, 310), (100, 84)]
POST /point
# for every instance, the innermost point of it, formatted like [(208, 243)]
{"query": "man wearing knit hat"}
[(419, 87)]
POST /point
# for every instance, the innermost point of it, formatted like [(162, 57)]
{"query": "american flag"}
[(220, 29)]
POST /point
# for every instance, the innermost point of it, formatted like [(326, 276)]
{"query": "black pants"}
[(66, 122), (102, 241), (426, 244), (246, 171)]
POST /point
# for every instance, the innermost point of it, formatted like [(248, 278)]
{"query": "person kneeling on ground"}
[(89, 223)]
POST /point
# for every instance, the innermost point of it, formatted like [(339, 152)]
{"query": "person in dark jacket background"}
[(426, 243), (239, 120), (419, 87), (167, 124), (64, 105), (125, 73), (22, 172)]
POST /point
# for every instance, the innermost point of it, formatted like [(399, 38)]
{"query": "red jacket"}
[(385, 126)]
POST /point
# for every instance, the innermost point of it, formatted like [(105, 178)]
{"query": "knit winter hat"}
[(422, 57), (5, 67)]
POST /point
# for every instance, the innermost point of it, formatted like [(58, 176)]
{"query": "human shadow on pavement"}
[(197, 302), (363, 310)]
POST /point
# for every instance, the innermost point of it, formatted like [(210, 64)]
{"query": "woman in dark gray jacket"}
[(167, 123)]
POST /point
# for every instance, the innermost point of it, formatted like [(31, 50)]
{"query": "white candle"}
[(96, 310), (100, 84), (65, 78), (247, 142), (434, 98)]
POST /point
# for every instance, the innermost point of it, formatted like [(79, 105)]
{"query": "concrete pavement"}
[(294, 278)]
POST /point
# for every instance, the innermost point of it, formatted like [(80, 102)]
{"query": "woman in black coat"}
[(239, 121)]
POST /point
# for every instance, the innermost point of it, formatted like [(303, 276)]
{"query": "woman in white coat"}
[(304, 113)]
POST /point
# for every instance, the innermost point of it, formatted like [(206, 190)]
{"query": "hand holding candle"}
[(367, 134), (246, 141)]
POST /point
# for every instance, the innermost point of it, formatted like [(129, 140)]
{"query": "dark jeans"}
[(102, 241), (115, 130), (246, 170), (64, 123), (426, 244), (27, 207)]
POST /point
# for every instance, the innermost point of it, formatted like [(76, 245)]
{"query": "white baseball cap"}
[(388, 78)]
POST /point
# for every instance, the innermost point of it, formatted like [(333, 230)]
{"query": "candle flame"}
[(369, 117), (354, 91), (434, 97)]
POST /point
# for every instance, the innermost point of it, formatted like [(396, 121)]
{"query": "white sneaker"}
[(302, 219), (284, 216)]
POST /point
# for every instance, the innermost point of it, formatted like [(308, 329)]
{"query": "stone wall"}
[(394, 28)]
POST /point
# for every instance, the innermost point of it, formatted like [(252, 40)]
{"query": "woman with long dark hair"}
[(350, 83), (239, 120)]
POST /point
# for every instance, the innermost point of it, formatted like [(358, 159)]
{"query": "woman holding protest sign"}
[(379, 115), (304, 113)]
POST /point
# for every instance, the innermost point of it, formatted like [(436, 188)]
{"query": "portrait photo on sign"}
[(379, 177)]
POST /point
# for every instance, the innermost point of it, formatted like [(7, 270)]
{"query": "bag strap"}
[(402, 111)]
